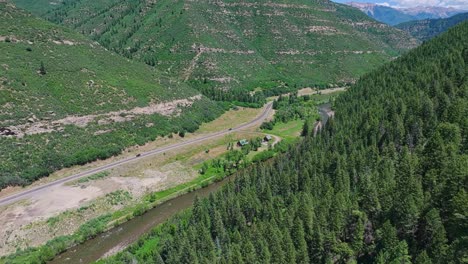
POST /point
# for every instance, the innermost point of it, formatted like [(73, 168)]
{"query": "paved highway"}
[(34, 191)]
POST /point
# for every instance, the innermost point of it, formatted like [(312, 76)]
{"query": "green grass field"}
[(288, 131)]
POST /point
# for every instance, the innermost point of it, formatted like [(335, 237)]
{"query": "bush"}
[(42, 70), (267, 125), (262, 156)]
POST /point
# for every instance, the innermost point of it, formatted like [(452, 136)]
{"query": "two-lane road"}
[(34, 191)]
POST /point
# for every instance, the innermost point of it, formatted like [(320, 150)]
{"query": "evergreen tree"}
[(42, 69)]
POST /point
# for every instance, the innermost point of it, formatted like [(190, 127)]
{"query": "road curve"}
[(31, 192)]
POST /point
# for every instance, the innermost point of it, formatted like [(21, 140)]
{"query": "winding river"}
[(122, 236)]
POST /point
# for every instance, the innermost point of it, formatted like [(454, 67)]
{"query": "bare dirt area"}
[(34, 126), (61, 209), (310, 91)]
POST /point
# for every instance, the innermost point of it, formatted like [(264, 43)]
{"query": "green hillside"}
[(224, 45), (429, 28), (37, 6), (65, 100), (385, 182)]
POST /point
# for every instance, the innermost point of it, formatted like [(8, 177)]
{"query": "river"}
[(122, 236)]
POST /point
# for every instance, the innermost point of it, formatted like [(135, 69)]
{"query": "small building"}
[(267, 138), (242, 142)]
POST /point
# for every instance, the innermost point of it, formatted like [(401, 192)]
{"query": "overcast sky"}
[(461, 4)]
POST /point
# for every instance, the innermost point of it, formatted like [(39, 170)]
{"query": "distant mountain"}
[(429, 28), (430, 12), (383, 14), (219, 46), (394, 16)]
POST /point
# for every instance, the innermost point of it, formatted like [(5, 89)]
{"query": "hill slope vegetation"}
[(224, 45), (65, 100), (429, 28), (385, 182)]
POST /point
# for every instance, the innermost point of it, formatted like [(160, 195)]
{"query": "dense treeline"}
[(385, 182), (239, 96), (247, 98)]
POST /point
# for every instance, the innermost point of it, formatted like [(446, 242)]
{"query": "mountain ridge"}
[(430, 28), (396, 15)]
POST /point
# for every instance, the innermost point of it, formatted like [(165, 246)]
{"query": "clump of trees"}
[(289, 108), (234, 159), (239, 96)]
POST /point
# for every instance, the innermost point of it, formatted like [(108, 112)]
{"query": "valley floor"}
[(62, 209)]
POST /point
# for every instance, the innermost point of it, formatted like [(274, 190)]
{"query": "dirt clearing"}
[(311, 91)]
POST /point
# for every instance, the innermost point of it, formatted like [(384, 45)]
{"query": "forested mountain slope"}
[(385, 182), (429, 28), (221, 45), (65, 100)]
